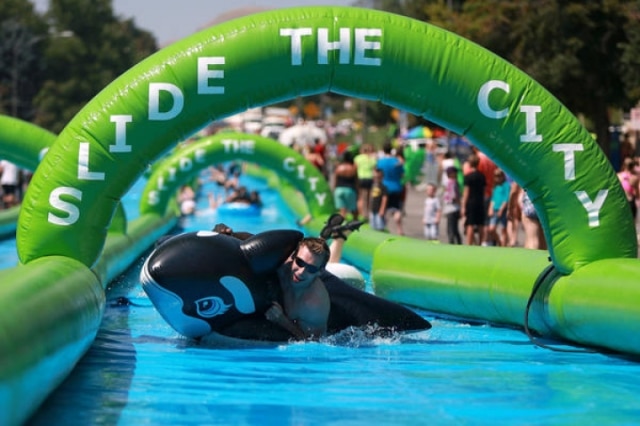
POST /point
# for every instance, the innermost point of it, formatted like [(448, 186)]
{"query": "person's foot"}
[(339, 231), (353, 225), (334, 221)]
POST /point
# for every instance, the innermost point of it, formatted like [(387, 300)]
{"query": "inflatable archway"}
[(282, 54), (23, 143), (26, 144), (186, 162)]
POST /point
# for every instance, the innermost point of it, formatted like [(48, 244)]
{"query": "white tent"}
[(302, 135)]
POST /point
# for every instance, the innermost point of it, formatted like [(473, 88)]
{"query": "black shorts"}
[(9, 189), (476, 215), (394, 201), (365, 183)]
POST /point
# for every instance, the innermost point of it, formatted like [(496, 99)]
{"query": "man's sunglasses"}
[(307, 266)]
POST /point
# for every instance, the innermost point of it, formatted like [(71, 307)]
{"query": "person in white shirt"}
[(432, 213), (9, 179)]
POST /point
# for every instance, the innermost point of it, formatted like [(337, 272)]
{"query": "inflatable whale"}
[(204, 282)]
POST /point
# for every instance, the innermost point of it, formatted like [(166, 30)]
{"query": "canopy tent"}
[(418, 132), (302, 135)]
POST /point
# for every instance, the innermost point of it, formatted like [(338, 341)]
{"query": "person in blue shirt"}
[(392, 168), (497, 213)]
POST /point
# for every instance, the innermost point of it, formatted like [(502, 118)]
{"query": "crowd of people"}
[(465, 199)]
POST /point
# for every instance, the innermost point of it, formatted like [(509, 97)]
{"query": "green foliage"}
[(393, 6), (52, 65), (88, 49), (630, 57), (22, 33), (586, 53)]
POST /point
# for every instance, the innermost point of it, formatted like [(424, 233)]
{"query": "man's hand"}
[(221, 228), (276, 315)]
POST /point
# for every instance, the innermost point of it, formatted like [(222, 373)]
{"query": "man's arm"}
[(383, 204), (276, 315), (221, 228), (312, 323), (463, 202)]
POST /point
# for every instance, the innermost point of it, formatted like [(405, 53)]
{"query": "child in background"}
[(187, 200), (432, 213), (378, 202), (451, 205), (497, 212)]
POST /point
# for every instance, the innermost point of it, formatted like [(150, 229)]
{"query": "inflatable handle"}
[(270, 249)]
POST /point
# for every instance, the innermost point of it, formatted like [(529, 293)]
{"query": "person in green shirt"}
[(365, 161)]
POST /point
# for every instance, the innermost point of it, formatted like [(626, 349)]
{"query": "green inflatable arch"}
[(186, 162), (278, 55), (26, 144), (23, 143)]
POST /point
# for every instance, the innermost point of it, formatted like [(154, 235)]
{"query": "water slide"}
[(51, 304)]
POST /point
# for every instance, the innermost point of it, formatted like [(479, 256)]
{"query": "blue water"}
[(141, 372), (8, 253)]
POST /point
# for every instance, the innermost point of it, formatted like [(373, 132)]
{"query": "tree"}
[(22, 33), (630, 58), (573, 48), (582, 52), (392, 6), (586, 53), (89, 47)]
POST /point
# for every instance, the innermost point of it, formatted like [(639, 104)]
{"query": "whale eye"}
[(209, 307)]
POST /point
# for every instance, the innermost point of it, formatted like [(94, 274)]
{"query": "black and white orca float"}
[(203, 282)]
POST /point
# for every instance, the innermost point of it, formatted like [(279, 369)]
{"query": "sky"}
[(172, 20)]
